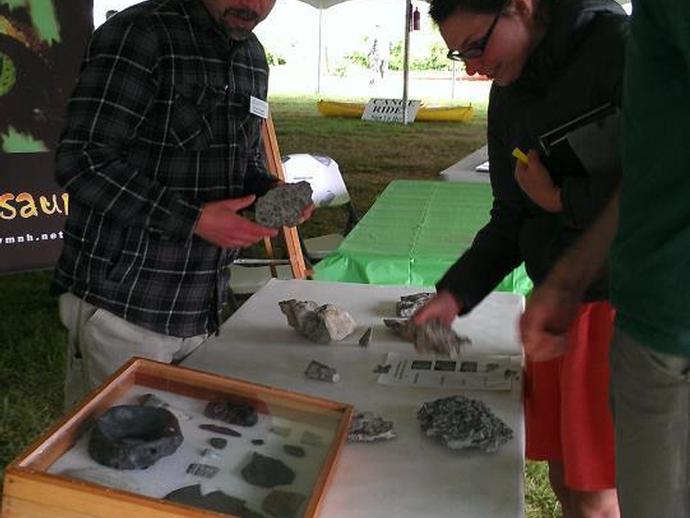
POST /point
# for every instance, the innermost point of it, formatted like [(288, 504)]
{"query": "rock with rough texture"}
[(263, 471), (283, 205), (461, 422), (232, 413), (214, 501), (410, 303), (134, 437), (283, 504), (320, 324), (432, 337), (369, 427), (322, 372)]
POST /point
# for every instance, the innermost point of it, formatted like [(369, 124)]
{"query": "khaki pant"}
[(650, 394), (99, 343)]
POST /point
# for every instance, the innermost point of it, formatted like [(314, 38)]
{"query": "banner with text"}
[(389, 110), (41, 46)]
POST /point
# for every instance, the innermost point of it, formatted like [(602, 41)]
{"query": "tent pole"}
[(318, 78), (406, 57)]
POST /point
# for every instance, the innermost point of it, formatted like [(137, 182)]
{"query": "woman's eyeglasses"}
[(476, 49)]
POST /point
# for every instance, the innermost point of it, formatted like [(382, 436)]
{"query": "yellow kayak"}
[(424, 114)]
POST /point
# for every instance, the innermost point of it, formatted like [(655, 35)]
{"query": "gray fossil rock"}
[(283, 504), (134, 437), (322, 372), (320, 324), (461, 422), (283, 205), (232, 413), (432, 337), (214, 501), (410, 303), (263, 471), (369, 427)]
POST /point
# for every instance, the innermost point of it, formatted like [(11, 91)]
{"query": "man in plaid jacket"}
[(160, 152)]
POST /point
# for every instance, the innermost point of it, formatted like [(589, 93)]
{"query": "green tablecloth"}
[(412, 234)]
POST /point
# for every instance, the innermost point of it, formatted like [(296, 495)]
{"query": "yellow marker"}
[(517, 153)]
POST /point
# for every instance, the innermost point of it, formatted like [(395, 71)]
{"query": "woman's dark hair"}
[(440, 10)]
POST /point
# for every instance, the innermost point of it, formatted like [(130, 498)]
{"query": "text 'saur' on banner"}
[(41, 46)]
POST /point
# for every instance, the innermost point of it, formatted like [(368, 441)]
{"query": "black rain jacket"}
[(577, 67)]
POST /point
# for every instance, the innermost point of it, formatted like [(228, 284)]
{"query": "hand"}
[(545, 323), (220, 224), (443, 307), (534, 179), (307, 213)]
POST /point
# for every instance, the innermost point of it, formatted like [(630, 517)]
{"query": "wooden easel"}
[(290, 235)]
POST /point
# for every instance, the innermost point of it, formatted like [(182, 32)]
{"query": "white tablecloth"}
[(411, 476)]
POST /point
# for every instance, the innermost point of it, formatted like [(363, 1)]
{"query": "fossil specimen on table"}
[(410, 303), (432, 337), (134, 437), (322, 372), (368, 427), (283, 205), (461, 422), (321, 324)]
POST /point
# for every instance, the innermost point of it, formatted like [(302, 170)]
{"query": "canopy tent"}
[(321, 5)]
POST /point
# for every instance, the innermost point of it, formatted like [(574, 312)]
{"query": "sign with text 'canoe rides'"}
[(389, 110), (41, 45)]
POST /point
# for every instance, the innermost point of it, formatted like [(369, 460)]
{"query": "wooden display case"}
[(32, 491)]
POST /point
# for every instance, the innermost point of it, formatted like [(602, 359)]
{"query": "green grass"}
[(370, 155)]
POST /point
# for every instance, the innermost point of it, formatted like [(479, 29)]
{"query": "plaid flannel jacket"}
[(158, 124)]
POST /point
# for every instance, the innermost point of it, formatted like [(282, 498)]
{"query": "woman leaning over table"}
[(551, 61)]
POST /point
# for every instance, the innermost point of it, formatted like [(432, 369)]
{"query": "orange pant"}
[(567, 412)]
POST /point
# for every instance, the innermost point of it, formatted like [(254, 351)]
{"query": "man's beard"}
[(239, 33)]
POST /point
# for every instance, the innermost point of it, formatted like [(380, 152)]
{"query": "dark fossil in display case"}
[(239, 414), (263, 471), (461, 422), (134, 436), (283, 504), (223, 430), (214, 501), (294, 450)]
